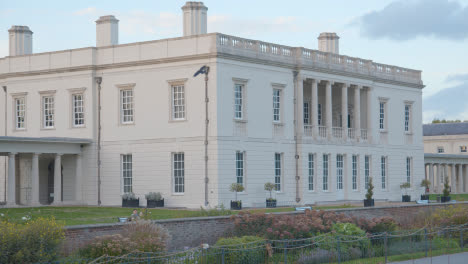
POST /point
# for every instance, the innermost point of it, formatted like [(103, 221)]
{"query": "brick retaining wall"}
[(190, 232)]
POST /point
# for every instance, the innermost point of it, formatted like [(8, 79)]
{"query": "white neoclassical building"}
[(84, 126), (446, 155)]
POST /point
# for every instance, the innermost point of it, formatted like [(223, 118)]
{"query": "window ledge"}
[(83, 126), (48, 128), (126, 124), (240, 120), (278, 123), (383, 131), (409, 133), (178, 194), (177, 120)]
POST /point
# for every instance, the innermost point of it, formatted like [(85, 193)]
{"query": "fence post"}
[(338, 248), (222, 256), (425, 241), (385, 246), (285, 252), (461, 238)]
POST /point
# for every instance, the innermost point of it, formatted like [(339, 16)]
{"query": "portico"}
[(440, 166), (43, 171)]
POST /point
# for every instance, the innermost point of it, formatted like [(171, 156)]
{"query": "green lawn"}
[(98, 215), (458, 197)]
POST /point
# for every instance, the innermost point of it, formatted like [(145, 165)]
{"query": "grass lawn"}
[(98, 215), (458, 197)]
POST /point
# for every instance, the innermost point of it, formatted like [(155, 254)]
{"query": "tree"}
[(405, 186), (446, 190), (269, 187), (370, 190), (425, 183), (236, 187)]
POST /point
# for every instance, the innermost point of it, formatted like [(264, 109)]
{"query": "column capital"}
[(12, 153), (58, 154), (36, 153)]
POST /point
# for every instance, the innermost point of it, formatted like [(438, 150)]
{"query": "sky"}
[(427, 35)]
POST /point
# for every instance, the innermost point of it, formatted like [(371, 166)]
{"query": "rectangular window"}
[(126, 106), (240, 167), (178, 172), (276, 105), (408, 170), (127, 173), (306, 113), (178, 102), (462, 148), (339, 172), (355, 171), (238, 101), (78, 110), (440, 150), (382, 116), (383, 171), (325, 172), (319, 114), (407, 117), (311, 172), (48, 111), (20, 113), (366, 171), (278, 172)]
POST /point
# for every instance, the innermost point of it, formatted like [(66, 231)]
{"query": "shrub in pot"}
[(154, 199), (446, 192), (425, 183), (270, 202), (130, 200), (236, 187), (405, 186), (368, 202)]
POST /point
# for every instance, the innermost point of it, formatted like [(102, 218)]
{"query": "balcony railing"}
[(308, 130), (364, 134), (351, 133), (337, 132), (322, 131)]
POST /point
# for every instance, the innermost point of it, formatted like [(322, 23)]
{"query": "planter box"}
[(236, 205), (406, 198), (154, 204), (424, 197), (445, 199), (270, 203), (368, 203), (131, 203)]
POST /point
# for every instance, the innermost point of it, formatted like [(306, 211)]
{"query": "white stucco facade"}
[(151, 70)]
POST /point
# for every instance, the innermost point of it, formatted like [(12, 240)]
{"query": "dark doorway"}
[(50, 182)]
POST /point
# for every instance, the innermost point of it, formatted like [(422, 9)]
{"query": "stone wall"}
[(190, 232)]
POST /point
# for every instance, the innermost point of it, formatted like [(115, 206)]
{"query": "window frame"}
[(384, 172), (325, 172), (319, 114), (183, 105), (367, 170), (354, 172), (125, 171), (311, 172), (277, 102), (278, 166), (178, 187), (340, 159), (240, 169), (440, 149), (17, 97), (122, 89), (383, 117), (463, 149), (44, 110), (409, 169), (305, 109), (73, 110)]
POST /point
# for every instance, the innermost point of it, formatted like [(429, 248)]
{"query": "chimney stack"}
[(194, 18), (20, 40), (329, 42), (107, 31)]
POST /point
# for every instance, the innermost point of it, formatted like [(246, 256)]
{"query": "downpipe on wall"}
[(6, 171), (296, 129), (99, 81)]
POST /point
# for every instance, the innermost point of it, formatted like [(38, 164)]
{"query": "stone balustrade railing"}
[(314, 58)]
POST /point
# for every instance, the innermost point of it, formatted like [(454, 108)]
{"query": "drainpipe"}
[(5, 90), (206, 134), (296, 123), (99, 81)]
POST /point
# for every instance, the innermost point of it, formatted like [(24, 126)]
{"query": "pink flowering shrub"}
[(304, 225), (139, 236)]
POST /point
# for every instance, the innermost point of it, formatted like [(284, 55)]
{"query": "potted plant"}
[(368, 202), (270, 202), (405, 186), (446, 192), (236, 187), (154, 199), (130, 200), (425, 183)]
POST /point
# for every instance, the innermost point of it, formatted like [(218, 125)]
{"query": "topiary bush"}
[(36, 240), (138, 236), (245, 249)]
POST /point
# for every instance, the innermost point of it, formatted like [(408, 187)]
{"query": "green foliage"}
[(370, 189), (448, 216), (236, 187), (129, 196), (36, 240), (446, 190), (338, 238), (425, 183), (245, 249), (153, 196), (443, 121), (269, 187), (138, 236), (215, 211), (405, 185)]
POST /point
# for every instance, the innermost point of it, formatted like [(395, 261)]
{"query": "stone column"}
[(78, 179), (11, 191), (460, 179), (357, 111), (431, 177), (314, 109), (35, 180), (328, 105), (453, 180), (344, 110), (371, 131), (437, 179), (300, 105), (464, 181), (58, 179)]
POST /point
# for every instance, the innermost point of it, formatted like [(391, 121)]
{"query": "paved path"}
[(459, 258)]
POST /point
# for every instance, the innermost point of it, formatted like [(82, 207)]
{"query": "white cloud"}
[(86, 11)]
